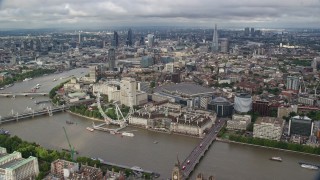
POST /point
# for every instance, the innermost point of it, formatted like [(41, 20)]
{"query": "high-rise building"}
[(315, 64), (252, 32), (292, 83), (246, 31), (150, 40), (224, 45), (130, 38), (115, 40), (215, 43), (93, 73), (79, 41), (112, 59), (141, 40), (128, 91)]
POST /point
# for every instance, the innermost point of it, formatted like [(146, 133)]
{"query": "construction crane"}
[(70, 146)]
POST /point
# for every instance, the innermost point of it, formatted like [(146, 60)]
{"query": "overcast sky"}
[(195, 13)]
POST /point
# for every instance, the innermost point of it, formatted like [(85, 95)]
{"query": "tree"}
[(153, 84)]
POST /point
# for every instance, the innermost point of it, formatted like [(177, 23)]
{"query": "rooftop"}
[(304, 118), (243, 95), (269, 120), (187, 89)]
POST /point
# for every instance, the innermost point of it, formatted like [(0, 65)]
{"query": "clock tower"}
[(176, 172)]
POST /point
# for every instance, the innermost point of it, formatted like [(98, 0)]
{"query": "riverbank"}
[(265, 147), (91, 118)]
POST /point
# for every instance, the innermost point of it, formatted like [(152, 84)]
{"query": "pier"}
[(188, 165)]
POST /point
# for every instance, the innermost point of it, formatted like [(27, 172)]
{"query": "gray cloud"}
[(104, 13)]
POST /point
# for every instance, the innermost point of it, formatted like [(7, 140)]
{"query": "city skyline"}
[(204, 13)]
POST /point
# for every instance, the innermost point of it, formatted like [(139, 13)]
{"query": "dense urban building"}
[(268, 128), (14, 167), (300, 125), (239, 122), (62, 170), (242, 102), (261, 107), (221, 106), (293, 83)]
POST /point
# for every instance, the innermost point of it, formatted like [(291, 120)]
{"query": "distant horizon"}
[(101, 14), (125, 27)]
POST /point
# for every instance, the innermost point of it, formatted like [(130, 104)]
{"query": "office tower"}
[(246, 31), (150, 40), (252, 32), (79, 38), (292, 83), (215, 45), (224, 45), (141, 40), (112, 59), (146, 61), (128, 91), (130, 38), (115, 40)]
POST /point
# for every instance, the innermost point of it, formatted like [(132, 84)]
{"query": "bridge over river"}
[(9, 94), (188, 165), (46, 111)]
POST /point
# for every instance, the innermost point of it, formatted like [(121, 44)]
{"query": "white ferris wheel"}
[(121, 119)]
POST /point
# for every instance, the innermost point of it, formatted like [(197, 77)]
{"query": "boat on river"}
[(69, 122), (128, 134), (4, 132), (279, 159), (309, 166), (90, 129)]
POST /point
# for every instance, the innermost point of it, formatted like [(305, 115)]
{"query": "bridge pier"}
[(17, 117), (49, 111)]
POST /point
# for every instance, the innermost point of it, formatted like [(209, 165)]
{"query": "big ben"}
[(176, 172)]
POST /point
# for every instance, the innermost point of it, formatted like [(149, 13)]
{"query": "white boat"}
[(27, 79), (308, 166), (127, 134), (276, 159), (137, 168), (54, 79), (90, 129)]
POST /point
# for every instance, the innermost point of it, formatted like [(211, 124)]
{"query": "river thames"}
[(223, 160)]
